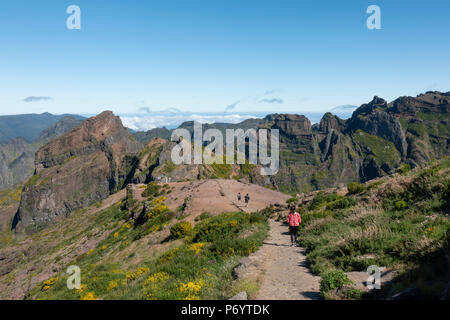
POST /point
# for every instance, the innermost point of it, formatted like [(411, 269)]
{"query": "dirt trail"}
[(287, 276)]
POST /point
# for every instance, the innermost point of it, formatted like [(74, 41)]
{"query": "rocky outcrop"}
[(330, 122), (17, 155), (77, 169), (373, 118), (372, 143), (290, 124)]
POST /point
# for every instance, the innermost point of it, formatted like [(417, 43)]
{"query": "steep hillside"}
[(376, 140), (155, 241), (400, 222), (372, 143), (77, 169)]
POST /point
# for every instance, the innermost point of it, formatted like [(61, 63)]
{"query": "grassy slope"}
[(400, 222), (123, 260)]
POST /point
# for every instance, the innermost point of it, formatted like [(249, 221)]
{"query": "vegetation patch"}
[(198, 267), (409, 228)]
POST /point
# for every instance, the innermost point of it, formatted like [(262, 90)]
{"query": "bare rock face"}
[(77, 169), (330, 122), (373, 118), (292, 124)]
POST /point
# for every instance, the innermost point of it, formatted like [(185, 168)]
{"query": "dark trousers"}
[(293, 231)]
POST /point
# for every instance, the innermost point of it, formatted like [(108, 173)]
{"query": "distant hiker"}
[(239, 196), (247, 198), (294, 219)]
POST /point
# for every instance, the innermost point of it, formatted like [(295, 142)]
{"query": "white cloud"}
[(147, 122)]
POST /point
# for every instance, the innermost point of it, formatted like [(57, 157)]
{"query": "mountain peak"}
[(77, 169)]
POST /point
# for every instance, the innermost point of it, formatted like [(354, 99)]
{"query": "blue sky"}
[(202, 56)]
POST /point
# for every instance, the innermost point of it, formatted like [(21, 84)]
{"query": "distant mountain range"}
[(28, 126), (375, 141)]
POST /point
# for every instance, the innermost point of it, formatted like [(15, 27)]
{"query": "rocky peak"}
[(290, 124), (93, 134), (374, 119), (331, 122), (77, 169), (432, 101), (377, 103)]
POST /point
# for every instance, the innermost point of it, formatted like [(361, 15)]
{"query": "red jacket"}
[(294, 219)]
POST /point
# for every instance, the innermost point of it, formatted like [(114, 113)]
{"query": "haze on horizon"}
[(218, 56)]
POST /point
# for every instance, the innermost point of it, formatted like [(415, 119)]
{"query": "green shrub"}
[(353, 294), (180, 229), (355, 187), (203, 216), (404, 168), (400, 205), (291, 200), (331, 280), (342, 203), (219, 227), (152, 190), (320, 199)]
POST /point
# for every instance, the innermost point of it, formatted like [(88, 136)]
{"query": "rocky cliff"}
[(373, 142), (17, 155), (77, 169)]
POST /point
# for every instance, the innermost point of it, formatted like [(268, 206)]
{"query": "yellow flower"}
[(191, 288), (89, 296), (90, 251), (130, 276), (112, 284), (116, 235), (104, 247), (155, 228), (83, 287), (48, 284), (169, 255), (127, 225), (157, 277), (196, 247)]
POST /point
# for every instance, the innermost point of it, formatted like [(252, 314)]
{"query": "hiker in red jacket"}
[(294, 219)]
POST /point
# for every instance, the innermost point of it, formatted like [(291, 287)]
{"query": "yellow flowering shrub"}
[(197, 247), (83, 288), (155, 228), (130, 276), (116, 235), (48, 284), (88, 296), (112, 284), (90, 251), (180, 229), (169, 255), (126, 225), (157, 277), (191, 289)]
